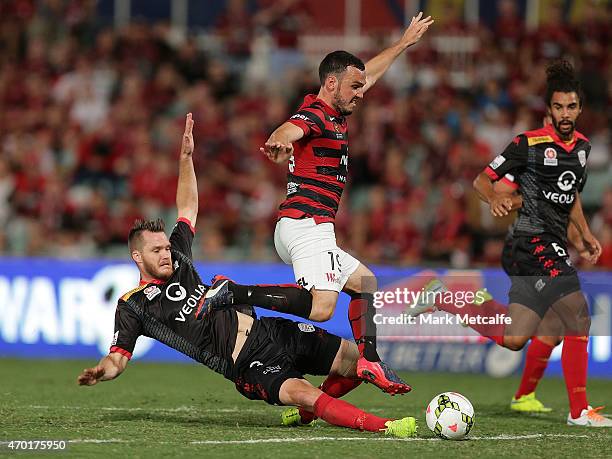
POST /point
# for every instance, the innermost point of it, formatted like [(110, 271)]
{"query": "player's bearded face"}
[(564, 110), (349, 91), (156, 258)]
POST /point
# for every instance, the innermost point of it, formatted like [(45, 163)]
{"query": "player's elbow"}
[(477, 183), (480, 186), (188, 213)]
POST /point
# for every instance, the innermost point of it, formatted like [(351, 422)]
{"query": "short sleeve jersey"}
[(166, 311), (548, 173), (319, 166)]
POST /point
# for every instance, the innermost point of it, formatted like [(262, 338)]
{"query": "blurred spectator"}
[(90, 119)]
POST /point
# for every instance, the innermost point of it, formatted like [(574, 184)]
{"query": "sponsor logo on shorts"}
[(115, 338), (539, 285), (272, 369), (306, 328), (332, 277), (302, 282), (152, 291)]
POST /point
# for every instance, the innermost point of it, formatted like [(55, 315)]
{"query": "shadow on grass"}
[(497, 411)]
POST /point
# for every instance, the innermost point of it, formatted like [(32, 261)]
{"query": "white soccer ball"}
[(450, 415)]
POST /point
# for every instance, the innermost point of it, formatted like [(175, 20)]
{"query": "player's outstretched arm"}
[(378, 65), (187, 189), (108, 368), (279, 147)]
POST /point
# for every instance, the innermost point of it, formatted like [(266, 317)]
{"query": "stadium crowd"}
[(90, 114)]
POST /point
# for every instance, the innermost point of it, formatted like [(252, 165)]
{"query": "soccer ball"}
[(450, 415)]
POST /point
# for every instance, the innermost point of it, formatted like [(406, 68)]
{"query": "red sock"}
[(536, 362), (487, 309), (343, 414), (575, 360), (335, 386), (361, 317)]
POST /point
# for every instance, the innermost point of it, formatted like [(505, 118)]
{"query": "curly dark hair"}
[(560, 78), (155, 226)]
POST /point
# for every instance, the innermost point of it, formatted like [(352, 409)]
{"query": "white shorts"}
[(311, 249)]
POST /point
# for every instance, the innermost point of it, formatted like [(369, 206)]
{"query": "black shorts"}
[(279, 349), (541, 272), (507, 259)]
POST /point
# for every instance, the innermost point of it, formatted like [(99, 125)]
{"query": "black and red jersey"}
[(548, 173), (319, 165), (166, 311)]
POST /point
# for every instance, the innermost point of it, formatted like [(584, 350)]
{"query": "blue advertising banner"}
[(65, 309)]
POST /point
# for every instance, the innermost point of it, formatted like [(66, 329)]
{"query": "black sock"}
[(291, 300)]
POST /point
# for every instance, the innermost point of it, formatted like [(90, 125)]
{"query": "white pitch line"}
[(320, 439), (311, 439), (178, 409)]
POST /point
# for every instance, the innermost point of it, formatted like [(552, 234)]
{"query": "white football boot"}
[(589, 418)]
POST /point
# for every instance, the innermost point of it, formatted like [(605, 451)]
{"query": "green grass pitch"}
[(181, 410)]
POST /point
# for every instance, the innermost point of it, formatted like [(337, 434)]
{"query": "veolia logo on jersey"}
[(566, 181), (176, 292)]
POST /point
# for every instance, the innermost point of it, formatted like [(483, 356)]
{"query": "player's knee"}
[(583, 323), (362, 281), (552, 341), (582, 320), (299, 392), (515, 343), (322, 311)]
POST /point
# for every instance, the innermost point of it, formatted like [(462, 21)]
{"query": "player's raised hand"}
[(418, 26), (91, 376), (277, 152), (501, 205), (187, 145)]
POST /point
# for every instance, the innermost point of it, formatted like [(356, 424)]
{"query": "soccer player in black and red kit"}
[(265, 358), (549, 167), (315, 142), (550, 331)]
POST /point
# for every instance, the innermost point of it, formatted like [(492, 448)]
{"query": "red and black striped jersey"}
[(319, 165)]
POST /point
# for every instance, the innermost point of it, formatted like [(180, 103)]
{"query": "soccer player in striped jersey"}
[(314, 141)]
